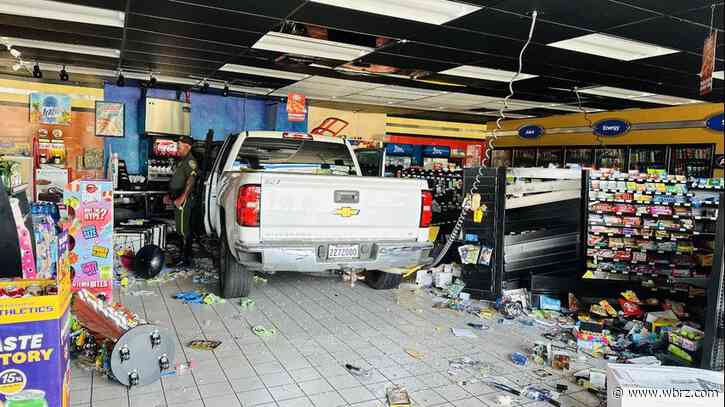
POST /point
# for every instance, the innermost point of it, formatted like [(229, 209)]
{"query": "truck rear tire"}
[(234, 279), (381, 280)]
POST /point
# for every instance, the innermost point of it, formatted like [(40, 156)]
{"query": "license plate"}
[(350, 251)]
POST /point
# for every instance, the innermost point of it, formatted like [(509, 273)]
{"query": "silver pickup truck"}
[(296, 202)]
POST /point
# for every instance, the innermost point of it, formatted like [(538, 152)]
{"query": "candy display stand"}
[(34, 321)]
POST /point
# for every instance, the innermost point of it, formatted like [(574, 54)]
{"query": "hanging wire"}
[(586, 116), (488, 153)]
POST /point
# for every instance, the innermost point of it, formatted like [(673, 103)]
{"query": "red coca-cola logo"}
[(91, 188)]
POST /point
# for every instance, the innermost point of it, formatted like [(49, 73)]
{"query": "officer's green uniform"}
[(185, 169)]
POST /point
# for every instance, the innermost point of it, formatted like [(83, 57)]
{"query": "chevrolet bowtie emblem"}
[(346, 212)]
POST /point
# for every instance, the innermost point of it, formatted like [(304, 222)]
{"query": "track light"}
[(225, 92), (63, 74), (18, 66), (15, 53), (37, 73), (152, 81), (120, 81), (205, 87)]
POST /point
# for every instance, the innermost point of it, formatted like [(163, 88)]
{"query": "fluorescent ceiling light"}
[(427, 11), (609, 46), (57, 46), (55, 10), (299, 45), (272, 73), (668, 100), (718, 75), (613, 92), (620, 93), (477, 72), (400, 92)]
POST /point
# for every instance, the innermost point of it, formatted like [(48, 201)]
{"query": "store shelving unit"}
[(714, 344), (640, 228), (694, 160), (447, 189), (531, 222)]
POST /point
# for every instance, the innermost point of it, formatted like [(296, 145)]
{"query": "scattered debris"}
[(463, 333), (358, 371), (260, 330), (397, 396), (479, 326), (414, 354), (247, 302), (196, 297), (203, 344), (519, 359), (259, 280)]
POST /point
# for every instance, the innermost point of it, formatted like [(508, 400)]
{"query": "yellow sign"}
[(347, 212)]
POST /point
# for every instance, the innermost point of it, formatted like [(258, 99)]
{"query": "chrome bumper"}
[(312, 256)]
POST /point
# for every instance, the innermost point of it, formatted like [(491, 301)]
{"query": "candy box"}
[(687, 338), (90, 213)]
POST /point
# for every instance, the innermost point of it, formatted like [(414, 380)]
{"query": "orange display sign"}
[(708, 63), (296, 107)]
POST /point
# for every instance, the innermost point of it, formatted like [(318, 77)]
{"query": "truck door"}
[(211, 185)]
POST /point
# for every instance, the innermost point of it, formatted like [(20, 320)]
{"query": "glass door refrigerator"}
[(642, 158), (611, 157), (692, 160), (553, 156), (501, 157), (524, 157), (582, 156)]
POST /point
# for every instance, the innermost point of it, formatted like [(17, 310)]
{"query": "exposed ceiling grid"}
[(463, 46)]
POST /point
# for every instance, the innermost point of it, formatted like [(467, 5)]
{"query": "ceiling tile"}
[(702, 15), (172, 41), (194, 31), (181, 11), (667, 32), (276, 8), (52, 26), (513, 25), (62, 37), (594, 15), (109, 4), (666, 6)]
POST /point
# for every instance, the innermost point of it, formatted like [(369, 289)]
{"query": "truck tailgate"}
[(338, 208)]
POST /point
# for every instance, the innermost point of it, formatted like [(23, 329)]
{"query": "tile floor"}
[(322, 324)]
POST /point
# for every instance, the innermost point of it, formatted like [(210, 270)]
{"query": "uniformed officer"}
[(180, 193)]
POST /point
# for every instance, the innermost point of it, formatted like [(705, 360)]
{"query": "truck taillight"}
[(426, 209), (248, 205)]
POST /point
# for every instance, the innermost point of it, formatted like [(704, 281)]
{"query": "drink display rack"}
[(447, 189)]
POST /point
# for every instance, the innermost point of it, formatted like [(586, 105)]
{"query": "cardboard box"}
[(35, 334), (90, 211)]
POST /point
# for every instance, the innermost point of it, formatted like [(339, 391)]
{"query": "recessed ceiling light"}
[(668, 100), (609, 46), (58, 46), (477, 72), (613, 92), (718, 75), (272, 73), (299, 45), (55, 10), (427, 11), (620, 93)]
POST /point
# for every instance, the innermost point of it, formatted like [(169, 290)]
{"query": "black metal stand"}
[(536, 246), (713, 355), (10, 265)]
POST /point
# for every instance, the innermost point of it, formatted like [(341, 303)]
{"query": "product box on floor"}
[(34, 342), (90, 213)]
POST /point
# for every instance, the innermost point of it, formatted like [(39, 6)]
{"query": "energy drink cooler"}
[(90, 211), (34, 343)]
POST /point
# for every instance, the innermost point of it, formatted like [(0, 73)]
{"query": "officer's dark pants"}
[(182, 216)]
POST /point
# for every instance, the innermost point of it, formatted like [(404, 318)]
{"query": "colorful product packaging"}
[(90, 213), (34, 343)]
